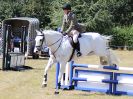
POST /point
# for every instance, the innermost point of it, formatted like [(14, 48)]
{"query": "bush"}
[(123, 37)]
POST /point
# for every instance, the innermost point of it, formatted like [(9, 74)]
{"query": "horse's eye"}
[(40, 40)]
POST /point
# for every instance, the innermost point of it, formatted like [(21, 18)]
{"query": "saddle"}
[(73, 45)]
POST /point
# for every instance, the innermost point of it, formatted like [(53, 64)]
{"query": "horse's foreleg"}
[(51, 61), (62, 70)]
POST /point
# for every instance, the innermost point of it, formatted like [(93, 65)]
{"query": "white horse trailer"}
[(31, 24), (18, 36)]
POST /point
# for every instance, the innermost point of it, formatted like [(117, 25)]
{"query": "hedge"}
[(122, 37)]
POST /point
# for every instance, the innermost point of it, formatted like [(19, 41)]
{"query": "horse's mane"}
[(52, 32)]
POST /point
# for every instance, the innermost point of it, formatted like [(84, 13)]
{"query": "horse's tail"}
[(107, 39), (114, 58)]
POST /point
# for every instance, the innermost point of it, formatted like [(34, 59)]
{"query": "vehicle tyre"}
[(35, 56)]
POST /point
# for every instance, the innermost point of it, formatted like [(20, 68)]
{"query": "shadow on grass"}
[(89, 93), (40, 58), (21, 68)]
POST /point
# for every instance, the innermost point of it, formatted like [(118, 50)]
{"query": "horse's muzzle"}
[(36, 50)]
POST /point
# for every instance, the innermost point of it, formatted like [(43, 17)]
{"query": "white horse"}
[(61, 49)]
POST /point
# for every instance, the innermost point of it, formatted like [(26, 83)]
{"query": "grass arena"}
[(27, 84)]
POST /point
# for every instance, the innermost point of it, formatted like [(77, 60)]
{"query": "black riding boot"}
[(77, 48)]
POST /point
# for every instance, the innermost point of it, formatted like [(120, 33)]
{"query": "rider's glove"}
[(64, 34)]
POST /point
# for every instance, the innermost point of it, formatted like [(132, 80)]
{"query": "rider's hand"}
[(64, 34)]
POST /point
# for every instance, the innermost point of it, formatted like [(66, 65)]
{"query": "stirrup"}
[(79, 54)]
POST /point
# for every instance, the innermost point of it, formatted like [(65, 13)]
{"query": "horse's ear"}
[(38, 32)]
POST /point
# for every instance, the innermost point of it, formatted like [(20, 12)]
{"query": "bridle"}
[(44, 40), (41, 42)]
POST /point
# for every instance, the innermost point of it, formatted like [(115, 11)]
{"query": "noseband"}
[(41, 42)]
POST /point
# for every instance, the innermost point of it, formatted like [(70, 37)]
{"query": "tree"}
[(39, 9), (4, 12), (97, 15), (91, 13), (121, 10)]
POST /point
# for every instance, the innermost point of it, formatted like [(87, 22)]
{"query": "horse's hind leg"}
[(51, 61), (103, 60), (112, 59)]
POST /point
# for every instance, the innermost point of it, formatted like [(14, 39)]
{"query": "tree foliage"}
[(110, 17), (97, 15)]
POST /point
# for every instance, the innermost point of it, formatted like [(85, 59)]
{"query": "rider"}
[(71, 26)]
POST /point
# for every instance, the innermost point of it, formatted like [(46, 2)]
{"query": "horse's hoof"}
[(114, 65), (56, 92), (44, 85), (104, 62)]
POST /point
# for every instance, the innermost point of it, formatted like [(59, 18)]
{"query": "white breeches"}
[(75, 35)]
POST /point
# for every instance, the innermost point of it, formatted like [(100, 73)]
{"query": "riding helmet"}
[(66, 6)]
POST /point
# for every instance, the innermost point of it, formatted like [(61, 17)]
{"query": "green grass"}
[(27, 84)]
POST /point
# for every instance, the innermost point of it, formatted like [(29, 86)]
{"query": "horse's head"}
[(49, 37), (39, 41)]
